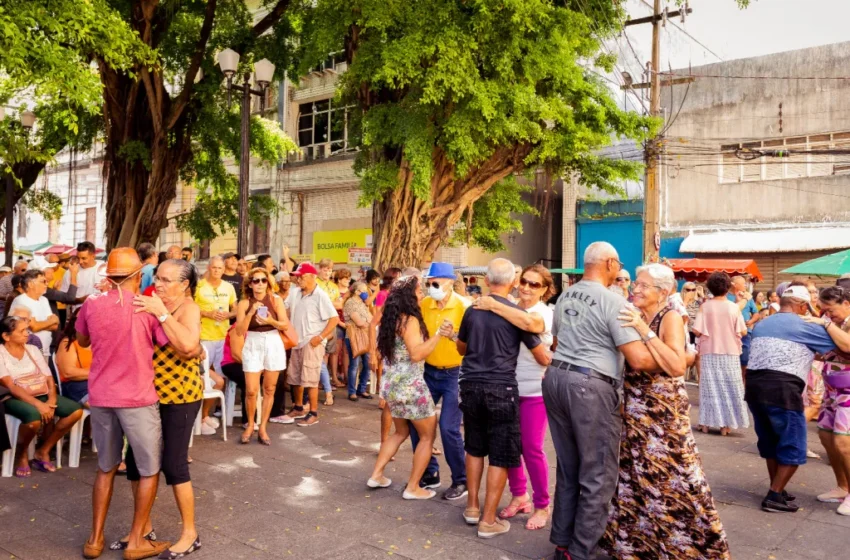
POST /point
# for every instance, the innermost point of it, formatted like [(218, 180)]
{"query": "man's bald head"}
[(21, 267), (601, 263)]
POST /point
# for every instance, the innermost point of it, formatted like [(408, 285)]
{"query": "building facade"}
[(721, 198)]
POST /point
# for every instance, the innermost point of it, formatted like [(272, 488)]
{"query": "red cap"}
[(304, 268)]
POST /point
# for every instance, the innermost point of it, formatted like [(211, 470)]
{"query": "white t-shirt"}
[(87, 280), (529, 374), (40, 310), (310, 314)]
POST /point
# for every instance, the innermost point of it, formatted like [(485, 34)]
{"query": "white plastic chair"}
[(75, 436), (12, 426), (211, 394), (230, 397)]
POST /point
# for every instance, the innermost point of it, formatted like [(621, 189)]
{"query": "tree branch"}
[(189, 81), (270, 19), (156, 112)]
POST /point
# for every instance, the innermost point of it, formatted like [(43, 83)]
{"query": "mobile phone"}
[(263, 312)]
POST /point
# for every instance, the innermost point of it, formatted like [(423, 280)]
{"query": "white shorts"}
[(263, 351), (215, 352)]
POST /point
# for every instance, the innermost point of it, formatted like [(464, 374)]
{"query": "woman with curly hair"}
[(404, 344)]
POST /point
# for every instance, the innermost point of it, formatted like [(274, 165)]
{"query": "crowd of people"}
[(602, 369)]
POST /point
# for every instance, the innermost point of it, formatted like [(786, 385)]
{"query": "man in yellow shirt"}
[(217, 300), (442, 368), (331, 363)]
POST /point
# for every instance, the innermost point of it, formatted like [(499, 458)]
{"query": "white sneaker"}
[(212, 422), (834, 496), (282, 419), (844, 508), (207, 430)]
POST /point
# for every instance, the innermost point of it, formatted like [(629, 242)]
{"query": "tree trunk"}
[(408, 231)]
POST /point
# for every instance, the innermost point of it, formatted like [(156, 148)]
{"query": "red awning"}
[(700, 269), (63, 249)]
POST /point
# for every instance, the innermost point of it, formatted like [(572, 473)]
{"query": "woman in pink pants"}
[(535, 288)]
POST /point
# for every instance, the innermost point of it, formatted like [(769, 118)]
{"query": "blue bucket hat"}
[(440, 270)]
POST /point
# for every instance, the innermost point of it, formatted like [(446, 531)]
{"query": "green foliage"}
[(44, 202), (135, 151), (46, 47), (467, 79), (495, 215)]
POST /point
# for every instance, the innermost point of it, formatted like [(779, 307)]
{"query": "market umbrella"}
[(835, 264)]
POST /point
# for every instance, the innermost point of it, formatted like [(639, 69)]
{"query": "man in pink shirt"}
[(122, 396)]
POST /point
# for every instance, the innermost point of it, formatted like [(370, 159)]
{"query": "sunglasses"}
[(622, 279), (530, 284), (690, 289), (435, 285), (259, 281)]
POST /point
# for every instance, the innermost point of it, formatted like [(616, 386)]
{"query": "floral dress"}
[(403, 386), (663, 508)]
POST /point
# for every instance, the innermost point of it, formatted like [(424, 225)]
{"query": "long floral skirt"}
[(663, 508)]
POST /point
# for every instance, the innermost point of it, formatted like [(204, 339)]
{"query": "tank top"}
[(177, 381), (83, 359), (254, 326)]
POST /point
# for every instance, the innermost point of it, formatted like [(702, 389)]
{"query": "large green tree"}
[(168, 120), (457, 95), (46, 49)]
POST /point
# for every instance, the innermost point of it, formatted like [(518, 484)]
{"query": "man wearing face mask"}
[(442, 369)]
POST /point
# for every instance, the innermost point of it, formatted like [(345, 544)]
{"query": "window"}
[(732, 169), (204, 250), (325, 129)]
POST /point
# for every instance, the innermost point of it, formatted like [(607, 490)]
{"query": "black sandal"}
[(365, 396), (169, 555), (122, 545), (352, 398)]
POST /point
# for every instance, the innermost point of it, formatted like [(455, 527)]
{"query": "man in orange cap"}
[(122, 395)]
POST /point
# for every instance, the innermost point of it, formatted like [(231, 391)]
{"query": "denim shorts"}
[(781, 433)]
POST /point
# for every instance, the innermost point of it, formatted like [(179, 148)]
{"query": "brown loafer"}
[(92, 550), (156, 549)]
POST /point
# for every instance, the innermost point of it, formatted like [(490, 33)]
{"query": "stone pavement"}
[(305, 497)]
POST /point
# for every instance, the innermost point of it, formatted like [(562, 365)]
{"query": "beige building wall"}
[(695, 190)]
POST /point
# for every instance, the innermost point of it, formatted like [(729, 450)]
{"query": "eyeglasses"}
[(643, 286), (620, 263), (259, 281), (530, 284), (161, 280)]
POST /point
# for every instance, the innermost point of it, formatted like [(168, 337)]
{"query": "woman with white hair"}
[(663, 506)]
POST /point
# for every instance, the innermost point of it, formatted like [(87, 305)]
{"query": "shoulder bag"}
[(33, 383), (358, 337)]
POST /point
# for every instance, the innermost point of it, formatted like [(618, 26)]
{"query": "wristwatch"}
[(162, 318), (649, 336)]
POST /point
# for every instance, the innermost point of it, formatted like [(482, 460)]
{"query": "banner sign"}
[(334, 245), (359, 256)]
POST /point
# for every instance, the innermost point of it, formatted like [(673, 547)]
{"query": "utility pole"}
[(652, 201)]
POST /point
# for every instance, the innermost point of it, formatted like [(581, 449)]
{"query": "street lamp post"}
[(27, 122), (228, 60)]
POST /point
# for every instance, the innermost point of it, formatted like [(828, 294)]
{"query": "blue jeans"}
[(443, 384), (363, 387), (325, 378)]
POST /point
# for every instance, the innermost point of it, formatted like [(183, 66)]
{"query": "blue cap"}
[(440, 270)]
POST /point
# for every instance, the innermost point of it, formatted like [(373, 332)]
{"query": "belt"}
[(439, 368), (566, 366)]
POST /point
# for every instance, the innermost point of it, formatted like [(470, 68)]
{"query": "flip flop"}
[(43, 466), (23, 472)]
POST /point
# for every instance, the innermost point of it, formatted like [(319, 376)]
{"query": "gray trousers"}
[(586, 425)]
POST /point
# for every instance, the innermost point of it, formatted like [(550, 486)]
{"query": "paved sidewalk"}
[(305, 497)]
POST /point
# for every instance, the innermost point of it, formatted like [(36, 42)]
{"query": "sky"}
[(765, 27), (719, 30)]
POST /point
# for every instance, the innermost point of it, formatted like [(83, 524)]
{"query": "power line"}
[(768, 183), (682, 29), (751, 77)]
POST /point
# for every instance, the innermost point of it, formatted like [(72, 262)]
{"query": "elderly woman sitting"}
[(34, 401)]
